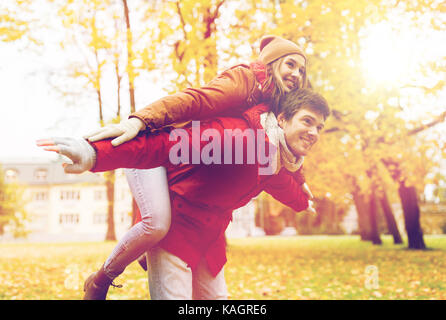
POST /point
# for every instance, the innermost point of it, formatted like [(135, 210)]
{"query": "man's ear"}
[(280, 120)]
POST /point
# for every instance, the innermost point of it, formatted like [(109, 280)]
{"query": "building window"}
[(99, 195), (41, 175), (99, 218), (122, 217), (68, 218), (11, 175), (69, 195), (41, 196)]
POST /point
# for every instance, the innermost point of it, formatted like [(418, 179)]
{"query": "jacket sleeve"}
[(285, 188), (172, 147), (147, 150), (228, 92)]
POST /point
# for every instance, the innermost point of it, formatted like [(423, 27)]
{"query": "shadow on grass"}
[(429, 249), (404, 247)]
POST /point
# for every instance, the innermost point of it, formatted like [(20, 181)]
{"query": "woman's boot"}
[(97, 284)]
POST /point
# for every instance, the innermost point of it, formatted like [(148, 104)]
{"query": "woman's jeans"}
[(171, 279), (151, 192)]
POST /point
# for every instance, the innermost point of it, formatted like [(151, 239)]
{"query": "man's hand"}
[(124, 131), (311, 208), (78, 150), (307, 191)]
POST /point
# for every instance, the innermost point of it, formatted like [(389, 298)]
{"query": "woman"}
[(281, 67)]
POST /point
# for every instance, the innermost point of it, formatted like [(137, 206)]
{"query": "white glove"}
[(124, 131), (78, 150)]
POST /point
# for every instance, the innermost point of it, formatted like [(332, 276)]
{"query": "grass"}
[(303, 267)]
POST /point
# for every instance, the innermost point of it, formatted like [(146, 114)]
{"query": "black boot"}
[(97, 284)]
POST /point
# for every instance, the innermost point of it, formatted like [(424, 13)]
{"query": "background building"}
[(73, 207), (67, 207)]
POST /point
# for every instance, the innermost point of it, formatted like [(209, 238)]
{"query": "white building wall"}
[(90, 209), (243, 222)]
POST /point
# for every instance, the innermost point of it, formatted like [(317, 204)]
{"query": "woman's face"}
[(291, 71)]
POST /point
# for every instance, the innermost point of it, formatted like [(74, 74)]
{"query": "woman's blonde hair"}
[(278, 87)]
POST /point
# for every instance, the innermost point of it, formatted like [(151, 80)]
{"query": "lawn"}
[(303, 267)]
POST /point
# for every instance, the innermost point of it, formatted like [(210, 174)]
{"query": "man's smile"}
[(307, 142)]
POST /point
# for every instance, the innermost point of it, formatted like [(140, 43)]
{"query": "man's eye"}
[(290, 64)]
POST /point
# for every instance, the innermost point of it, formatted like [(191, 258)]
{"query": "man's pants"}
[(171, 279)]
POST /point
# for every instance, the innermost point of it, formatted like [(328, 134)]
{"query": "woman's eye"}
[(290, 64)]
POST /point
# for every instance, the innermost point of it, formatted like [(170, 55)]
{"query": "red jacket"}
[(204, 196)]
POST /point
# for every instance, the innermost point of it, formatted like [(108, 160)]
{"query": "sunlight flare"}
[(389, 55)]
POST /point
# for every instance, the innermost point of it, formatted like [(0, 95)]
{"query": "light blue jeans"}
[(171, 279), (151, 192)]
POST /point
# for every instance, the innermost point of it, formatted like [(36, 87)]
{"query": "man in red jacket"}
[(213, 167)]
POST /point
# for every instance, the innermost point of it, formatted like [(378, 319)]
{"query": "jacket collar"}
[(252, 115), (259, 70)]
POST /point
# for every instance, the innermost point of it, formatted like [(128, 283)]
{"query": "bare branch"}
[(438, 120), (183, 23)]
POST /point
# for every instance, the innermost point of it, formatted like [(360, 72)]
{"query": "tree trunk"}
[(109, 175), (110, 185), (130, 74), (118, 90), (373, 216), (327, 209), (362, 209), (211, 59), (390, 218), (101, 118), (409, 202), (130, 57)]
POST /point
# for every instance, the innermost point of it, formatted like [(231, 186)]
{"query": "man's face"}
[(302, 130), (292, 70)]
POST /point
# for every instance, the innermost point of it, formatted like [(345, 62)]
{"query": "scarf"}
[(283, 158)]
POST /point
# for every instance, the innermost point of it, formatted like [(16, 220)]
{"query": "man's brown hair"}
[(297, 99)]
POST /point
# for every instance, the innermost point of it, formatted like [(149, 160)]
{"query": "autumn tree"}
[(348, 160), (386, 123), (188, 31), (88, 25), (17, 22), (369, 147), (12, 212), (17, 27)]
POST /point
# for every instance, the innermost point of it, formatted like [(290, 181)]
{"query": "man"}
[(212, 171)]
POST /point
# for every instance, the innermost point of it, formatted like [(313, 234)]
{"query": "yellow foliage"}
[(297, 268), (196, 39)]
